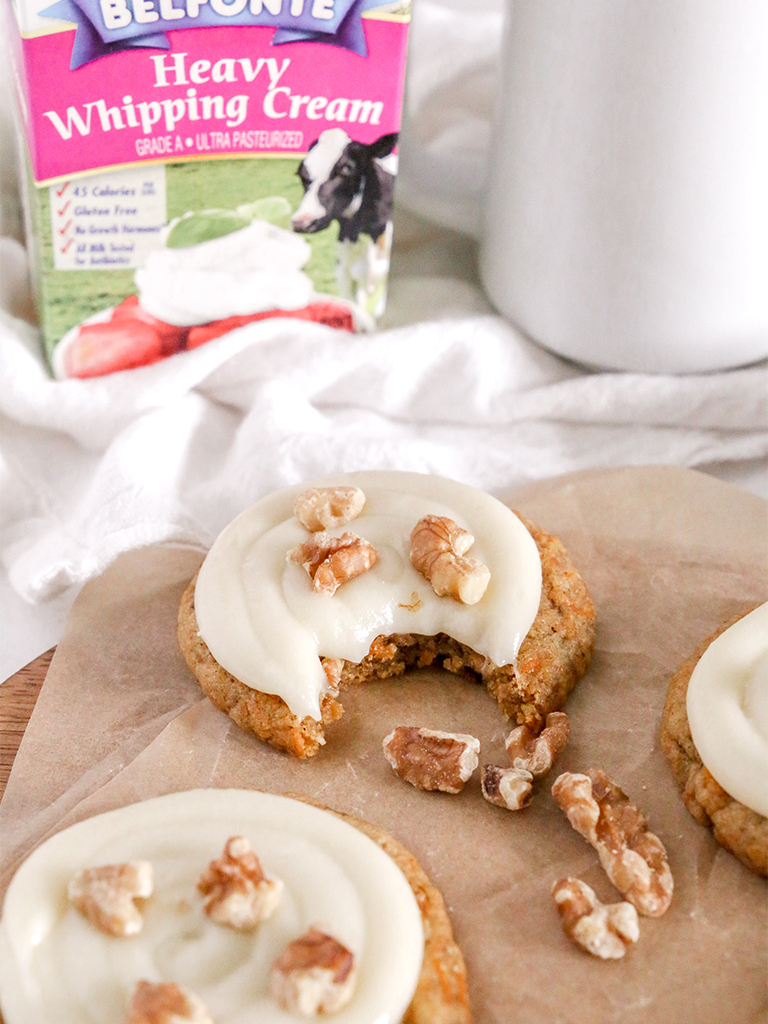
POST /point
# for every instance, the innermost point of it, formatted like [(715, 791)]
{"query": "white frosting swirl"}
[(727, 708), (263, 622), (57, 968)]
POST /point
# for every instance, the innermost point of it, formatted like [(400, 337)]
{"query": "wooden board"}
[(18, 695)]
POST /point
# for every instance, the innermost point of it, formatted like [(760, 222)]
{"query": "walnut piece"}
[(166, 1003), (537, 754), (314, 974), (331, 561), (106, 894), (321, 508), (430, 759), (633, 858), (507, 787), (603, 930), (333, 668), (238, 894), (438, 545)]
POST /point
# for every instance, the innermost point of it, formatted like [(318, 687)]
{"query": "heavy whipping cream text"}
[(727, 707), (263, 622), (57, 968), (277, 102), (134, 82)]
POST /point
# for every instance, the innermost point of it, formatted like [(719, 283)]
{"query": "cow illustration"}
[(352, 183)]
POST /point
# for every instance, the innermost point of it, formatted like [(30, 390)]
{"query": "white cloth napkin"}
[(171, 452)]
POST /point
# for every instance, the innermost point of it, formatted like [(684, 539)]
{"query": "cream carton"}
[(195, 165)]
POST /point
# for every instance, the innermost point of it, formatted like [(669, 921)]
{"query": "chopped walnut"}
[(331, 561), (314, 974), (166, 1003), (603, 930), (633, 858), (430, 759), (106, 894), (537, 754), (238, 894), (507, 787), (321, 508), (437, 549), (333, 667)]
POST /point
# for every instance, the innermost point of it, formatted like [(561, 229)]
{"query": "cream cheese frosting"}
[(57, 968), (263, 622), (254, 269), (727, 707)]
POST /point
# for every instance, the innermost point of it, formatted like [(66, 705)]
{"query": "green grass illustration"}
[(67, 297)]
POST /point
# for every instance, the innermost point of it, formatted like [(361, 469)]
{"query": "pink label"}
[(217, 91)]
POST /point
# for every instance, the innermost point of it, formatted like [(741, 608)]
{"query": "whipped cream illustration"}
[(254, 269)]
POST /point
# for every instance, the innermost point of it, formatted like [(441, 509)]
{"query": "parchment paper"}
[(668, 555)]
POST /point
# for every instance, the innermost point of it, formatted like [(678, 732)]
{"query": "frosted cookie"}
[(339, 876), (714, 733), (294, 603)]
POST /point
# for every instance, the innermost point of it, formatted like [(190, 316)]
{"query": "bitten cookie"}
[(533, 605), (738, 827)]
